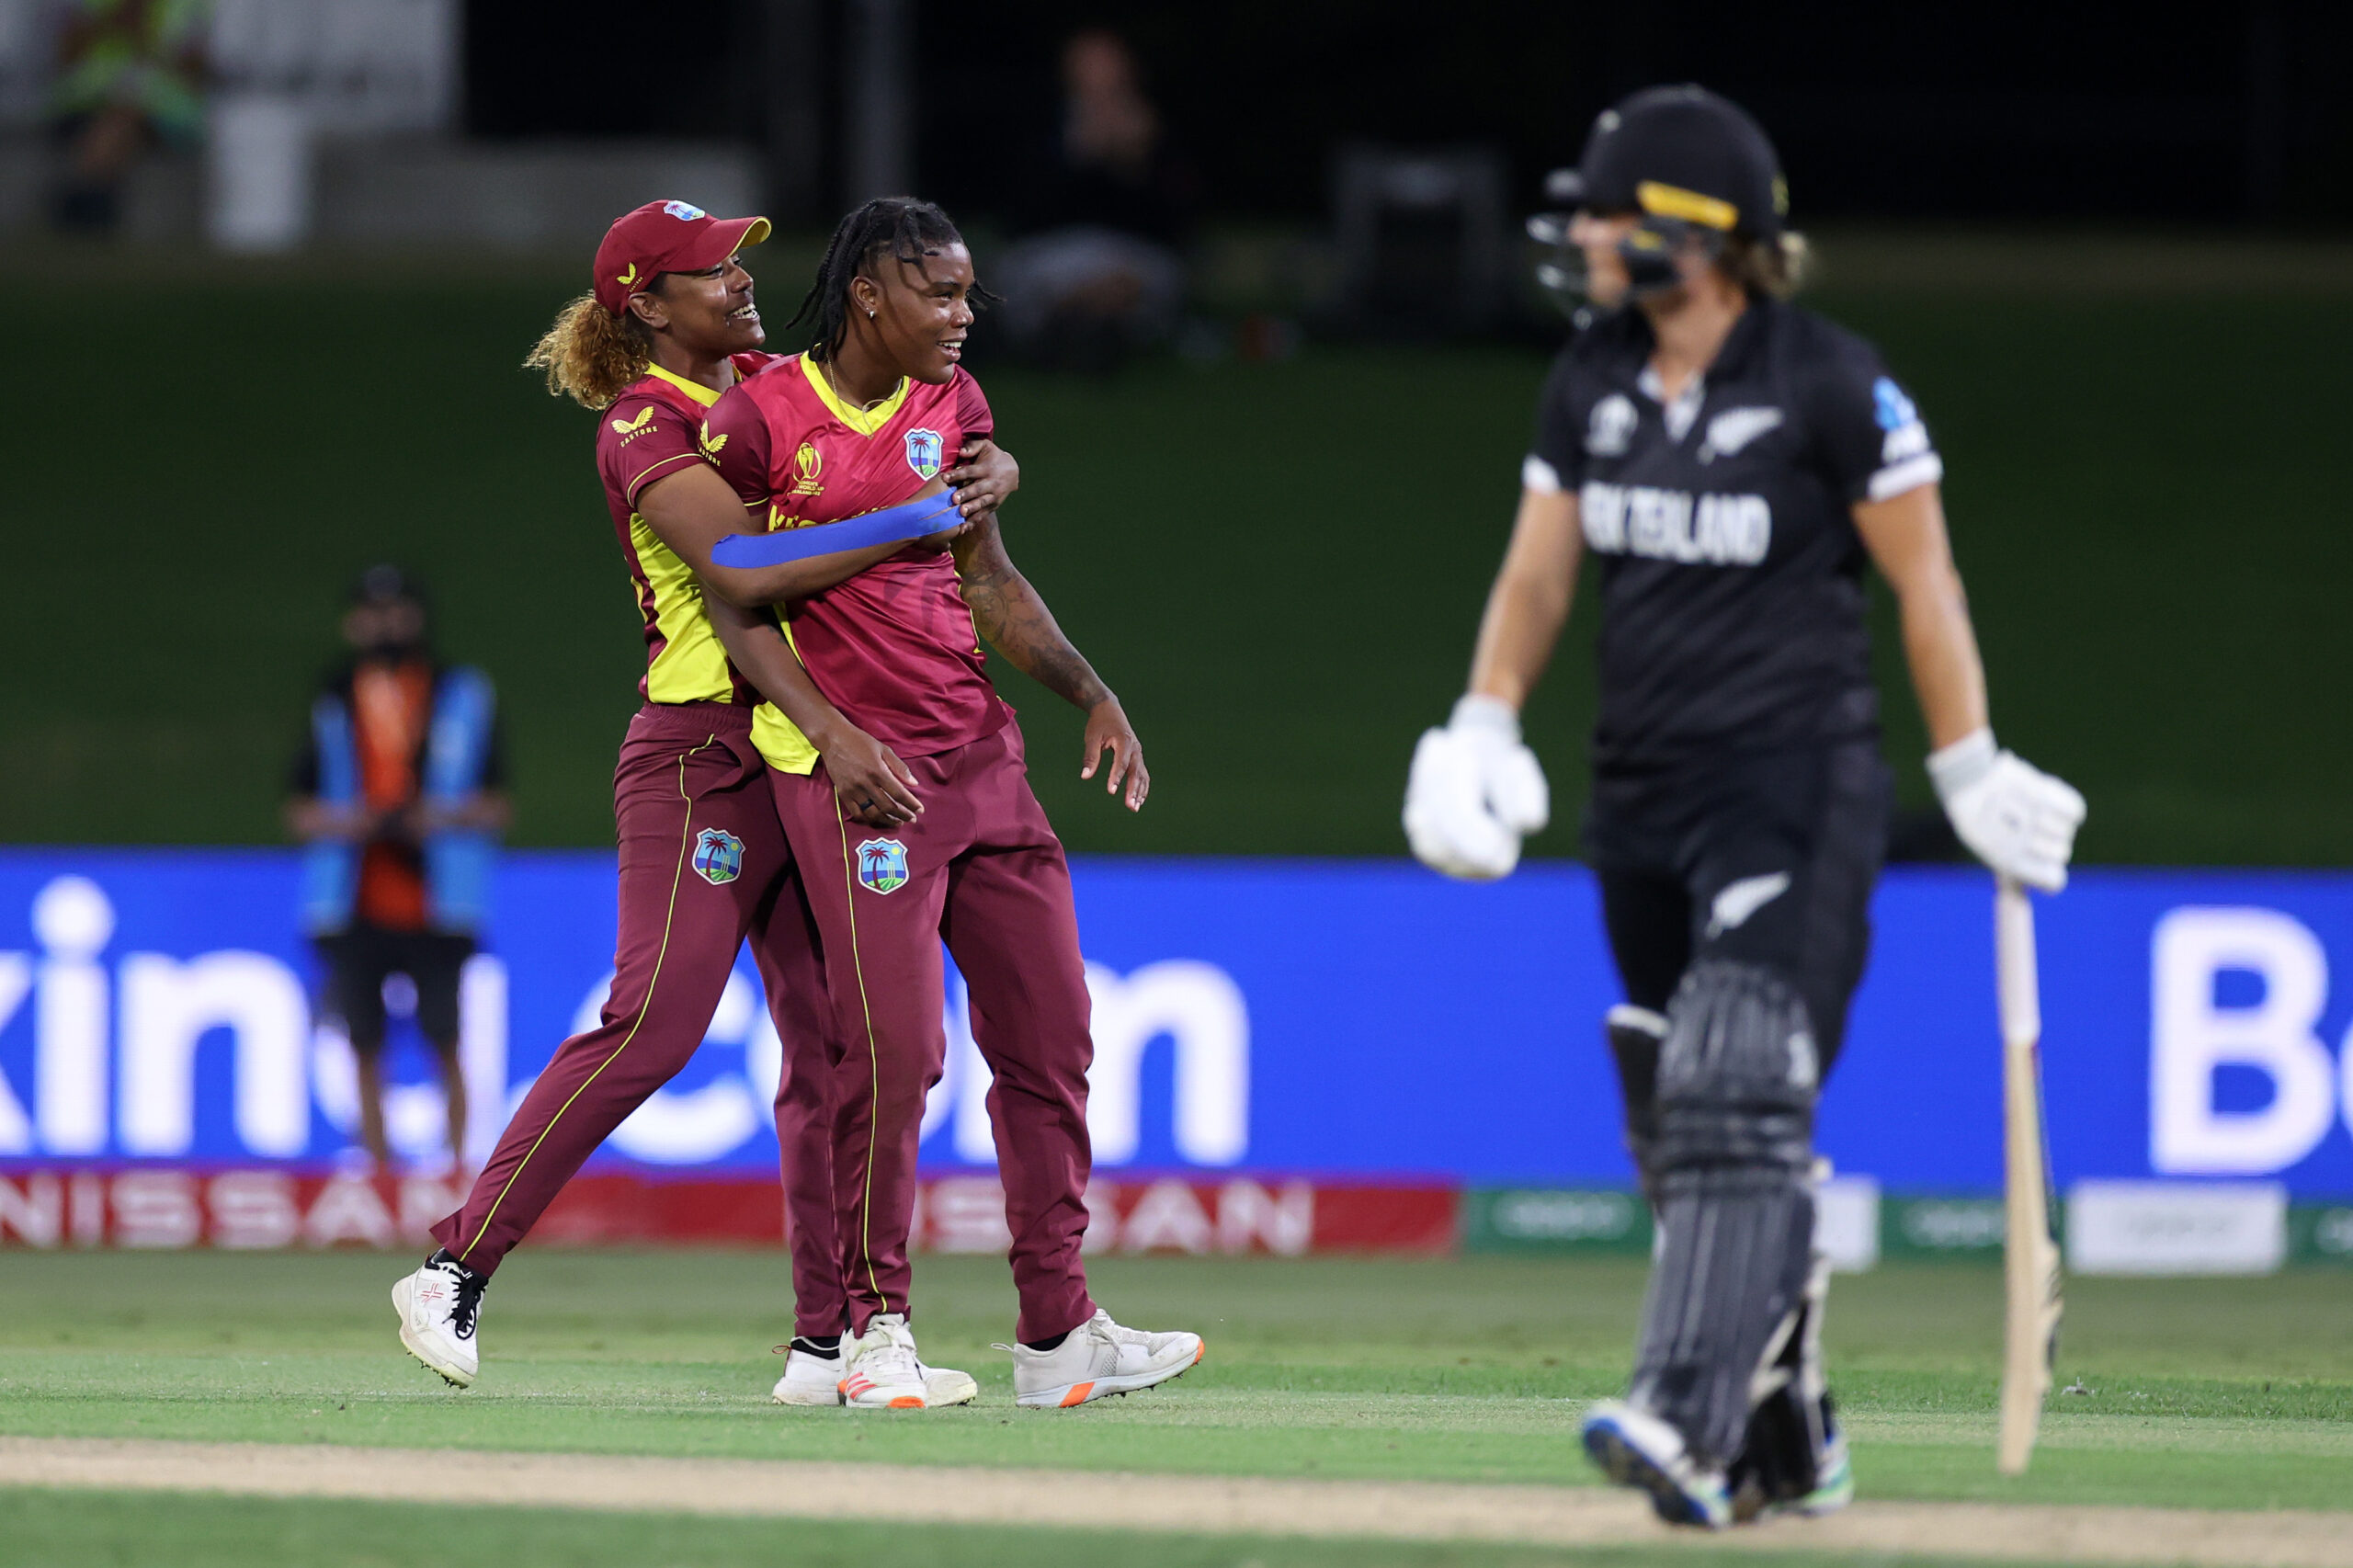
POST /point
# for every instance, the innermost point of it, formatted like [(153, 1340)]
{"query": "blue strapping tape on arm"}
[(908, 521)]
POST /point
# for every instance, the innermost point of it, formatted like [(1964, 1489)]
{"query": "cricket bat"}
[(2029, 1253)]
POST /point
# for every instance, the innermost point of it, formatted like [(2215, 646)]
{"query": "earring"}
[(870, 312)]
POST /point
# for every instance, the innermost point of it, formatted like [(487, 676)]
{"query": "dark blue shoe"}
[(1635, 1449)]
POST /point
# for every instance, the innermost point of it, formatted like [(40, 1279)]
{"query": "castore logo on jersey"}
[(630, 429)]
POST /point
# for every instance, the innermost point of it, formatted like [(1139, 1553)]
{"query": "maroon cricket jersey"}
[(893, 647), (652, 431)]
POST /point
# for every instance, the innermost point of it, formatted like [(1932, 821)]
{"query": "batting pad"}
[(1733, 1269), (1736, 1084)]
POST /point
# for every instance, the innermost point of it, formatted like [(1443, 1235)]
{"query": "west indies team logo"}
[(807, 464), (882, 864), (923, 452), (719, 857)]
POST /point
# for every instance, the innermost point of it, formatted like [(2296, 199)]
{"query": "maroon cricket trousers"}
[(703, 864), (982, 869)]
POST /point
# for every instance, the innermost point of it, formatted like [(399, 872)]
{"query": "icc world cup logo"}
[(807, 464)]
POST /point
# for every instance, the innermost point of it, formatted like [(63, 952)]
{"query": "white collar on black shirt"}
[(1683, 410)]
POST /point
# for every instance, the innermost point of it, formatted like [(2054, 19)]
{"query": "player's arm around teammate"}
[(857, 763), (694, 510), (1007, 611), (670, 324), (855, 425)]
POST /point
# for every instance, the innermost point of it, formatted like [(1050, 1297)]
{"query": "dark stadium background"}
[(2107, 251), (2216, 113)]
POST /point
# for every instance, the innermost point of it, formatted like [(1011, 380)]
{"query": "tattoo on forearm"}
[(1016, 622)]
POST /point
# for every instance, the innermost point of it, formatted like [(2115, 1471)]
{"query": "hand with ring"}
[(875, 788)]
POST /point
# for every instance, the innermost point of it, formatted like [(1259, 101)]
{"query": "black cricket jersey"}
[(1732, 592)]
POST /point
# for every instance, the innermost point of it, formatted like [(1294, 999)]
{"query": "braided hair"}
[(901, 227)]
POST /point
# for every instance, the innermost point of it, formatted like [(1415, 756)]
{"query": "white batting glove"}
[(1474, 792), (2017, 819)]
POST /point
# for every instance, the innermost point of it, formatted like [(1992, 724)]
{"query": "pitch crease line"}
[(1192, 1505)]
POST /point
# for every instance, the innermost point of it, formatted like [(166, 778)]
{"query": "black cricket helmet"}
[(1692, 164)]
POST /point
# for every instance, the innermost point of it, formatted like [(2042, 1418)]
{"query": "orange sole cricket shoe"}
[(1099, 1358)]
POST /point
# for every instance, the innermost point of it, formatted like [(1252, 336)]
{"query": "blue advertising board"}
[(1332, 1018)]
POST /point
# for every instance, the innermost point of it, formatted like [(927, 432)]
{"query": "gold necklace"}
[(826, 369)]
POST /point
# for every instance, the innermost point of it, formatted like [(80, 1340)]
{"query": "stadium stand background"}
[(2111, 263)]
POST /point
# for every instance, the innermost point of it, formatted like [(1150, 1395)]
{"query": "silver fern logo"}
[(1744, 898), (1735, 428)]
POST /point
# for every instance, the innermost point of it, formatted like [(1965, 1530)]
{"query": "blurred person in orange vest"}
[(398, 795)]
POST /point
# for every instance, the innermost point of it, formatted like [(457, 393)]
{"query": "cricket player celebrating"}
[(669, 327), (851, 429), (1731, 461)]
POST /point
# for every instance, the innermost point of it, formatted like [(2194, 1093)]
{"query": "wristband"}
[(1474, 711), (1956, 767)]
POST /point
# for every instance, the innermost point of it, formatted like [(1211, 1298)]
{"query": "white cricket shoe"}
[(879, 1369), (944, 1386), (809, 1377), (1635, 1449), (1099, 1359), (813, 1379), (440, 1307)]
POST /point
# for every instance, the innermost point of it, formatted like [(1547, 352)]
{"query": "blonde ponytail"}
[(1775, 267), (591, 354), (1797, 261)]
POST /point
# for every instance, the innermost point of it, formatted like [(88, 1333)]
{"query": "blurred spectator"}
[(131, 77), (398, 795), (1100, 271)]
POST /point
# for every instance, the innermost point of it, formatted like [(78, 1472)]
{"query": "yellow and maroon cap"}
[(665, 236)]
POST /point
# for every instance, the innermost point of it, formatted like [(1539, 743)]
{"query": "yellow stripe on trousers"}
[(677, 874), (873, 1062)]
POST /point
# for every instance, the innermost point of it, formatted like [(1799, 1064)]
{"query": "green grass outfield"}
[(142, 1530), (2212, 1394), (1279, 566)]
